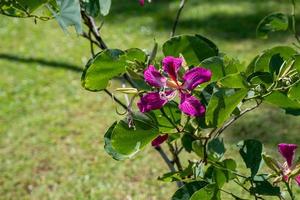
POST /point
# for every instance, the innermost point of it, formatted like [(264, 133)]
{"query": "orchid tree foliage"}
[(186, 98)]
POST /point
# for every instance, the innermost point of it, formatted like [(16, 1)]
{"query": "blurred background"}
[(51, 129)]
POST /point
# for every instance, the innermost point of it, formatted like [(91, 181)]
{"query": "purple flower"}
[(170, 84), (288, 152), (142, 2)]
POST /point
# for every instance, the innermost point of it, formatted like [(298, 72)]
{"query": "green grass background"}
[(51, 130)]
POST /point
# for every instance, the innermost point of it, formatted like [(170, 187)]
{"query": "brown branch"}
[(90, 22), (168, 162)]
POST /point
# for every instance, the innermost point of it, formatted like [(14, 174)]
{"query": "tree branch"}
[(168, 162), (90, 22)]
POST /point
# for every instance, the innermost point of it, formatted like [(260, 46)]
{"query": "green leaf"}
[(69, 14), (216, 148), (127, 139), (296, 64), (221, 105), (232, 65), (134, 55), (209, 192), (266, 62), (194, 48), (281, 100), (272, 23), (294, 92), (173, 113), (186, 191), (187, 141), (104, 6), (229, 166), (258, 78), (178, 176), (124, 141), (216, 65), (236, 80), (21, 8), (198, 148), (108, 146), (105, 66), (91, 7), (251, 152), (263, 187)]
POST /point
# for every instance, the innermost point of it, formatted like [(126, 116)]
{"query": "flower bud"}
[(127, 90)]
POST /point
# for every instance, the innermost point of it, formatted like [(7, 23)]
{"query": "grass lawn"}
[(51, 130)]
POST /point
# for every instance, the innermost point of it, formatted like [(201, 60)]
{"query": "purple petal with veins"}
[(159, 140), (171, 65), (154, 78), (288, 152), (191, 106), (194, 77), (154, 100)]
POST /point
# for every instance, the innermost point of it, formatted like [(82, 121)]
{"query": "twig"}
[(205, 155), (289, 190), (168, 162), (182, 3), (116, 99), (225, 126), (90, 22), (176, 159), (170, 120), (91, 44), (86, 35)]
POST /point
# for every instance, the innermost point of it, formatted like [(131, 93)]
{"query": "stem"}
[(169, 119), (91, 44), (182, 4), (168, 162), (90, 22), (176, 159), (116, 99), (205, 155), (233, 195), (225, 126), (289, 190)]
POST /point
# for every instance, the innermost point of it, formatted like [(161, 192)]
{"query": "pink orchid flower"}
[(170, 85), (288, 152)]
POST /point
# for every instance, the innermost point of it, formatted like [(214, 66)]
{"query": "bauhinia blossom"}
[(288, 152), (172, 84), (142, 2)]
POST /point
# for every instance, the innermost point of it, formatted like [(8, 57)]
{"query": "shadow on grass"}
[(223, 25), (54, 64)]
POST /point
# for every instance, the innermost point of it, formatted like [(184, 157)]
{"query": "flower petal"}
[(142, 2), (154, 78), (171, 65), (191, 106), (297, 179), (159, 140), (194, 77), (151, 101), (288, 152)]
